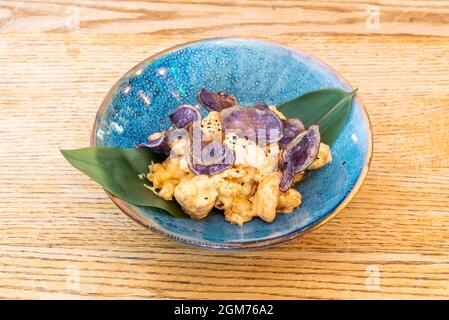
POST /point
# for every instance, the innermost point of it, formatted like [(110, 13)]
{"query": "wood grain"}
[(57, 226)]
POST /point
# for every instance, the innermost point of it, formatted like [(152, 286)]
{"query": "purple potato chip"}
[(159, 144), (199, 169), (208, 152), (298, 155), (215, 101), (261, 126), (176, 134), (185, 115), (261, 106), (209, 158), (292, 128)]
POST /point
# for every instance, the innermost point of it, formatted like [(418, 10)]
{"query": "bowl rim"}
[(252, 244)]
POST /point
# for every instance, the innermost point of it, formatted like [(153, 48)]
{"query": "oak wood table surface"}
[(60, 235)]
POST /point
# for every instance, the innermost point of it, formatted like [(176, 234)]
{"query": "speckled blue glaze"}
[(253, 71)]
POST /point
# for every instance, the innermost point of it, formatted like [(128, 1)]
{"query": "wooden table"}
[(61, 237)]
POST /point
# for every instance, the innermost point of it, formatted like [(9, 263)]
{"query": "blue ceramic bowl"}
[(139, 104)]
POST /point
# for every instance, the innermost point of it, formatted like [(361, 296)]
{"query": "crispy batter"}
[(299, 176), (288, 201), (165, 177), (324, 157), (266, 198), (196, 196), (240, 211)]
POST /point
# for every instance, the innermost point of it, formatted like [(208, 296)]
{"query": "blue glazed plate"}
[(253, 70)]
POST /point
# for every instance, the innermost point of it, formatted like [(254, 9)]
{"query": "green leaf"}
[(118, 170), (328, 108)]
